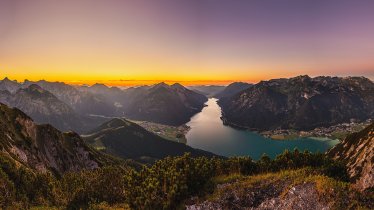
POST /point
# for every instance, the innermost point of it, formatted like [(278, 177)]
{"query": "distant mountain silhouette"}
[(61, 104), (9, 85), (113, 95), (232, 89), (207, 90), (161, 103), (84, 103)]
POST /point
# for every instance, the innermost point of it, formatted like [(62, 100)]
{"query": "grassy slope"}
[(251, 191)]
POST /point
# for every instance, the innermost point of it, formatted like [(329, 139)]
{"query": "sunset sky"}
[(127, 42)]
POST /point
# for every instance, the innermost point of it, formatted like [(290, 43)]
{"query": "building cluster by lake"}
[(339, 131)]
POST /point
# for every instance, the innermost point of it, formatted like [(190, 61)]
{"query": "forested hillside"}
[(168, 184)]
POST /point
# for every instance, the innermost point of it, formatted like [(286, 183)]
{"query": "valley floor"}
[(172, 133)]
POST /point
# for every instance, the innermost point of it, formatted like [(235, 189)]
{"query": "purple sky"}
[(185, 40)]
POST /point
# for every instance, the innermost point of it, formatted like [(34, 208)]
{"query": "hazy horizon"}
[(169, 82)]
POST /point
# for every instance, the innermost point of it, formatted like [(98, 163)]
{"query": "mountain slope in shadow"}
[(125, 139), (44, 148)]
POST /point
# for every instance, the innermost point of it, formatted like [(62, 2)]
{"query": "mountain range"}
[(9, 85), (300, 103), (207, 90), (81, 108), (232, 89), (82, 102), (42, 166), (45, 107), (162, 103), (114, 95), (43, 148), (217, 91)]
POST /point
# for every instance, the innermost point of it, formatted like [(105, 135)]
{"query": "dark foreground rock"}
[(357, 150)]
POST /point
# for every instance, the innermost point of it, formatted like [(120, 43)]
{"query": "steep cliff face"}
[(42, 147), (357, 150), (301, 103)]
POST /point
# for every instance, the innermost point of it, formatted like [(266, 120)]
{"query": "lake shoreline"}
[(339, 131), (209, 132)]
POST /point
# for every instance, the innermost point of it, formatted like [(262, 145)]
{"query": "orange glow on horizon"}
[(136, 82), (129, 83), (219, 78)]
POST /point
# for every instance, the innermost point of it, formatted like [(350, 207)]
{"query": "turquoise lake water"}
[(208, 133)]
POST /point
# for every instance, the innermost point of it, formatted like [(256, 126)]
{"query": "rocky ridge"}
[(43, 147), (357, 150)]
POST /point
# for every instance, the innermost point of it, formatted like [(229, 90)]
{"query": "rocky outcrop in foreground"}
[(357, 150), (299, 189), (302, 196)]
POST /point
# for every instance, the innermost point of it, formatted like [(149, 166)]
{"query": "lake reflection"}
[(208, 133)]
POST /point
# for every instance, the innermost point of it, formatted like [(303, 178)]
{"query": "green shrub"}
[(7, 191), (163, 185)]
